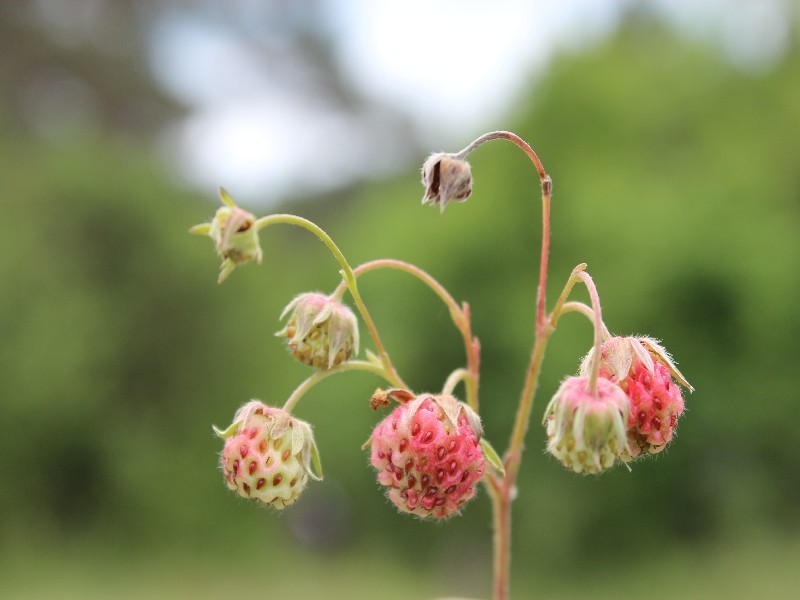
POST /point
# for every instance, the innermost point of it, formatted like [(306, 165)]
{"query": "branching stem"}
[(501, 487), (349, 280), (459, 314), (352, 365)]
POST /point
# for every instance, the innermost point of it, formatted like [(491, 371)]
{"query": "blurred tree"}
[(74, 66)]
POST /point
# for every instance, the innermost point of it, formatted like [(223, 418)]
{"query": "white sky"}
[(454, 66)]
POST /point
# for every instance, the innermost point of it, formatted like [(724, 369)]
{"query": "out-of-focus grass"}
[(91, 575), (748, 568), (756, 567)]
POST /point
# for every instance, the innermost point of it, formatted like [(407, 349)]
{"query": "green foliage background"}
[(676, 178)]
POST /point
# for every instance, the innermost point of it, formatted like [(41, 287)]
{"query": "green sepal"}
[(201, 229), (232, 429), (225, 269), (226, 197), (492, 456), (316, 472)]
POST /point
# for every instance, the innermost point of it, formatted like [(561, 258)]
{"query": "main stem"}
[(502, 488)]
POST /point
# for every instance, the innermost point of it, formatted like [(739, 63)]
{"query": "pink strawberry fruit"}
[(428, 454), (644, 370)]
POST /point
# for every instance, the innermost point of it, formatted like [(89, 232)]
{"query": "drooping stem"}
[(453, 380), (547, 190), (562, 306), (594, 314), (459, 315), (586, 311), (347, 275), (598, 329), (352, 365), (505, 135), (562, 297), (543, 329), (502, 488)]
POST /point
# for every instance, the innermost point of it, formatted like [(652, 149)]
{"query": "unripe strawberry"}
[(428, 454), (587, 429), (268, 454), (235, 236), (643, 369), (321, 331)]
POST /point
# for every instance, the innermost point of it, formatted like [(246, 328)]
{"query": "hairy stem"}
[(501, 524), (347, 275), (453, 380), (562, 297), (353, 365), (459, 315), (505, 486), (562, 306), (586, 311), (547, 190), (598, 329)]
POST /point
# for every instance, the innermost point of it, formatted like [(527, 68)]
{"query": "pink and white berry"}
[(268, 454), (586, 429), (643, 369), (428, 454)]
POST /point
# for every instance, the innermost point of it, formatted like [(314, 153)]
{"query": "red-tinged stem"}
[(547, 190), (586, 311), (501, 521), (460, 315), (502, 488), (598, 329), (562, 306)]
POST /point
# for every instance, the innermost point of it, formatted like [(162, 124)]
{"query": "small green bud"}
[(235, 236)]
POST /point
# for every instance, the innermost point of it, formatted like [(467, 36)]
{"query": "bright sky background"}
[(454, 66)]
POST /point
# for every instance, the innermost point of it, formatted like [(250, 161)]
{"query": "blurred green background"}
[(677, 179)]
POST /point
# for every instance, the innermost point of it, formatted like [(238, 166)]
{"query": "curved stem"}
[(547, 191), (562, 306), (586, 311), (565, 292), (543, 332), (426, 278), (501, 500), (453, 380), (347, 274), (598, 329), (354, 365), (511, 137), (542, 327), (459, 315)]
